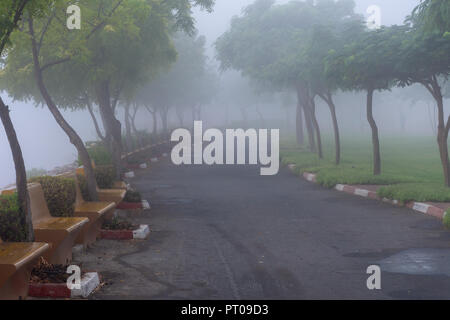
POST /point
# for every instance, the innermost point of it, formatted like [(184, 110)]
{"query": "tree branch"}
[(54, 63), (17, 15)]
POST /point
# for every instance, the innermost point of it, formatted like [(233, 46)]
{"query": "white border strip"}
[(129, 174), (146, 205), (141, 233), (89, 283), (421, 207)]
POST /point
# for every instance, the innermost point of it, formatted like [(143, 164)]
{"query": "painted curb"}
[(310, 177), (116, 234), (129, 205), (424, 208), (129, 174), (89, 283), (139, 234), (146, 205), (427, 209), (358, 191)]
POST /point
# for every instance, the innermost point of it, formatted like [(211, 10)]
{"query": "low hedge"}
[(105, 177), (12, 224), (99, 153), (60, 195)]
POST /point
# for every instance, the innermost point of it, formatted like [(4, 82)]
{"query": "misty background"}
[(45, 146)]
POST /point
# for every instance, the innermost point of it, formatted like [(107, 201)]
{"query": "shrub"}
[(132, 196), (99, 153), (82, 183), (446, 219), (104, 176), (12, 224), (60, 195), (117, 223)]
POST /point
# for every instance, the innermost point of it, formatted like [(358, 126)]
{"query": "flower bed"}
[(119, 229), (50, 281)]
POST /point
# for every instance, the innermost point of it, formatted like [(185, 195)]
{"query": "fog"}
[(45, 145)]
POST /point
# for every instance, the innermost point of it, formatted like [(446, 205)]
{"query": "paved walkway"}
[(228, 233)]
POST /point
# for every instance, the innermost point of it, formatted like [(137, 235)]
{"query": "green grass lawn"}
[(410, 166)]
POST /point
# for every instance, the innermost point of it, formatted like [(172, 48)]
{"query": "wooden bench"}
[(97, 212), (17, 259), (111, 195), (120, 185), (60, 233)]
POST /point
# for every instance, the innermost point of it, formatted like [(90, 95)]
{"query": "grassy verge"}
[(411, 169)]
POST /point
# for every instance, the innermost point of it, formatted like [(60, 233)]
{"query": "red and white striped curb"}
[(357, 191), (129, 174), (89, 282), (310, 177), (427, 209), (139, 234), (424, 208), (143, 166)]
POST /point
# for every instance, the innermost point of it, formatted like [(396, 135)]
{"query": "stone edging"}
[(424, 208)]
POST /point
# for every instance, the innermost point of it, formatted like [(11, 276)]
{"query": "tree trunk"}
[(179, 112), (94, 119), (299, 125), (261, 117), (128, 128), (244, 116), (71, 133), (112, 126), (21, 175), (316, 128), (133, 126), (303, 98), (443, 128), (328, 98), (163, 112), (155, 120), (375, 137)]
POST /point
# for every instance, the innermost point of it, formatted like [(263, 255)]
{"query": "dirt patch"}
[(45, 272)]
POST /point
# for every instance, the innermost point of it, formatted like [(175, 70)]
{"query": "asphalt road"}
[(229, 233)]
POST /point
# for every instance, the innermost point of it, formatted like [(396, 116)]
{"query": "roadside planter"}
[(143, 166), (50, 281), (129, 174), (137, 233)]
